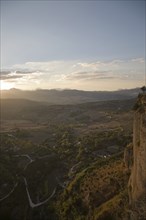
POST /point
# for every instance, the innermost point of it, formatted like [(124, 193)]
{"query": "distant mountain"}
[(67, 96)]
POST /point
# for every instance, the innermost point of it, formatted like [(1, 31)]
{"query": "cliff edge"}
[(137, 181)]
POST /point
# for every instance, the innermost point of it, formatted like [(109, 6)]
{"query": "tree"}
[(143, 89)]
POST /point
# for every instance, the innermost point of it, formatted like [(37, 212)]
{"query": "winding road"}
[(33, 205), (9, 192)]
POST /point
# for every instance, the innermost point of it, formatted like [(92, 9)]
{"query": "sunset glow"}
[(94, 50), (6, 85)]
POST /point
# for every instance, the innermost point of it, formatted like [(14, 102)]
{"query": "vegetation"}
[(77, 150), (95, 191)]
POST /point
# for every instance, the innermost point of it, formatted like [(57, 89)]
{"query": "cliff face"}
[(137, 181)]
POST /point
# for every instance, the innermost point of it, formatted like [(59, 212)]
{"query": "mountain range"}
[(68, 96)]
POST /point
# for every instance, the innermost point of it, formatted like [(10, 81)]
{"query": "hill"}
[(69, 96), (41, 112)]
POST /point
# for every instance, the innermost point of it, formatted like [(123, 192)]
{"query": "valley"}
[(47, 149)]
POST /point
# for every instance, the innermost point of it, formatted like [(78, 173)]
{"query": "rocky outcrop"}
[(137, 181), (128, 156)]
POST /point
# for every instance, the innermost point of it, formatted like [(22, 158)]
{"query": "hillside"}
[(103, 190), (98, 192), (21, 112), (69, 96), (64, 161)]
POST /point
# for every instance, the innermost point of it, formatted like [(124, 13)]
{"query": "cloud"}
[(138, 60), (23, 72), (75, 72), (92, 75), (6, 75), (9, 75), (100, 64), (45, 67)]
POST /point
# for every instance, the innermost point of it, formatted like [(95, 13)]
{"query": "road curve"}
[(33, 205), (9, 192)]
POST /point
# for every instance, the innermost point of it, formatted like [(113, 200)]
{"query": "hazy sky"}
[(89, 45)]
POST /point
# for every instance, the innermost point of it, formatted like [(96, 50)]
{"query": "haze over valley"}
[(72, 110)]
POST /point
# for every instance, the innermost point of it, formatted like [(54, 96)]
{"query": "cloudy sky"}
[(88, 45)]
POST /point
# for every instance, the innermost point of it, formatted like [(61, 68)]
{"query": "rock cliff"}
[(137, 181)]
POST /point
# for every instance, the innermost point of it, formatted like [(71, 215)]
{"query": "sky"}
[(87, 45)]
